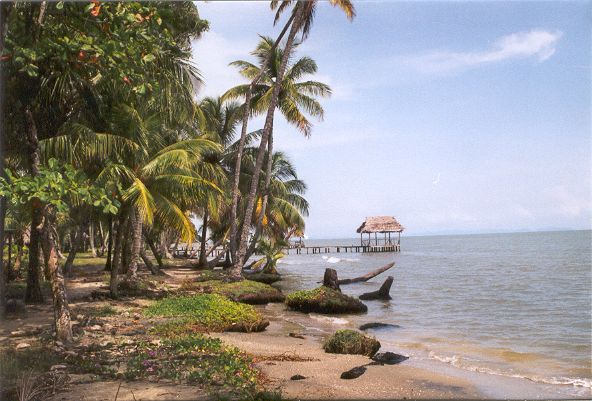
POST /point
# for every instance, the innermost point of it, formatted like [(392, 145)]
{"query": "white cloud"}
[(212, 54), (540, 44)]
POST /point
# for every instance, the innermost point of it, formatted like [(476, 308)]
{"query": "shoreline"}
[(414, 378), (279, 357)]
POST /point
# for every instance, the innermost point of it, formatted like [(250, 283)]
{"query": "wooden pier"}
[(342, 249)]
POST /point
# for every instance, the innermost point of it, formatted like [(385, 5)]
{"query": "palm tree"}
[(295, 96), (219, 121), (300, 17), (286, 207)]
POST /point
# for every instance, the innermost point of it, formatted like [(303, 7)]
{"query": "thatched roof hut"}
[(380, 224)]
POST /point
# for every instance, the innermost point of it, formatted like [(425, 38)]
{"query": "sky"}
[(454, 117)]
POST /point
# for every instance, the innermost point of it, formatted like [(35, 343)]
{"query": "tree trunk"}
[(4, 10), (175, 247), (382, 293), (18, 259), (126, 249), (116, 263), (148, 262), (91, 238), (330, 279), (163, 246), (33, 292), (203, 260), (261, 217), (239, 155), (154, 250), (76, 241), (2, 267), (101, 251), (136, 244), (214, 262), (236, 273), (110, 245), (61, 311), (367, 276)]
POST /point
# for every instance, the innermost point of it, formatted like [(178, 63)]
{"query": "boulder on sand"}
[(354, 373), (389, 358)]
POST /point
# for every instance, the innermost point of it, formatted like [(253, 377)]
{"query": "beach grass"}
[(205, 312), (246, 291)]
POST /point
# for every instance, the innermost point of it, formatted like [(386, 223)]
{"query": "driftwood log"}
[(330, 279), (365, 277), (382, 293)]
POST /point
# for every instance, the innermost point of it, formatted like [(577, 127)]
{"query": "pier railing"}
[(342, 249), (193, 252)]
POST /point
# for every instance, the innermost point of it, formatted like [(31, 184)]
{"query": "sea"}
[(509, 312)]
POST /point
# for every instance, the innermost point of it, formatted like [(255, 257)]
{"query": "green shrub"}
[(246, 291), (324, 300), (351, 342), (208, 312)]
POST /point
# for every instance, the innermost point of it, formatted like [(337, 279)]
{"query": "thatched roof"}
[(380, 224)]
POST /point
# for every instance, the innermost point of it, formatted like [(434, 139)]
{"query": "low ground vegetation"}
[(246, 291), (206, 312)]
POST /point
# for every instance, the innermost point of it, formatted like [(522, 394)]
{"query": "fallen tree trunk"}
[(367, 276), (382, 293)]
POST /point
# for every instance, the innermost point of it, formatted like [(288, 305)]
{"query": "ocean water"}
[(495, 305)]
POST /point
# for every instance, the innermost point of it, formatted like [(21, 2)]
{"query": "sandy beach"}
[(280, 357)]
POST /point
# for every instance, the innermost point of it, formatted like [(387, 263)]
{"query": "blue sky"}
[(455, 117)]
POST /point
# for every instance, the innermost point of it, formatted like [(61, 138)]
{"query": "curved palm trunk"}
[(148, 262), (259, 228), (239, 155), (136, 244), (236, 273), (155, 252)]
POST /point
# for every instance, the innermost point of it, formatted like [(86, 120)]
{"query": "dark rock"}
[(378, 325), (389, 358), (297, 377), (294, 335), (354, 373)]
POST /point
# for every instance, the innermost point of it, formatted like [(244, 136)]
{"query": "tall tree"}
[(303, 14), (297, 98)]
